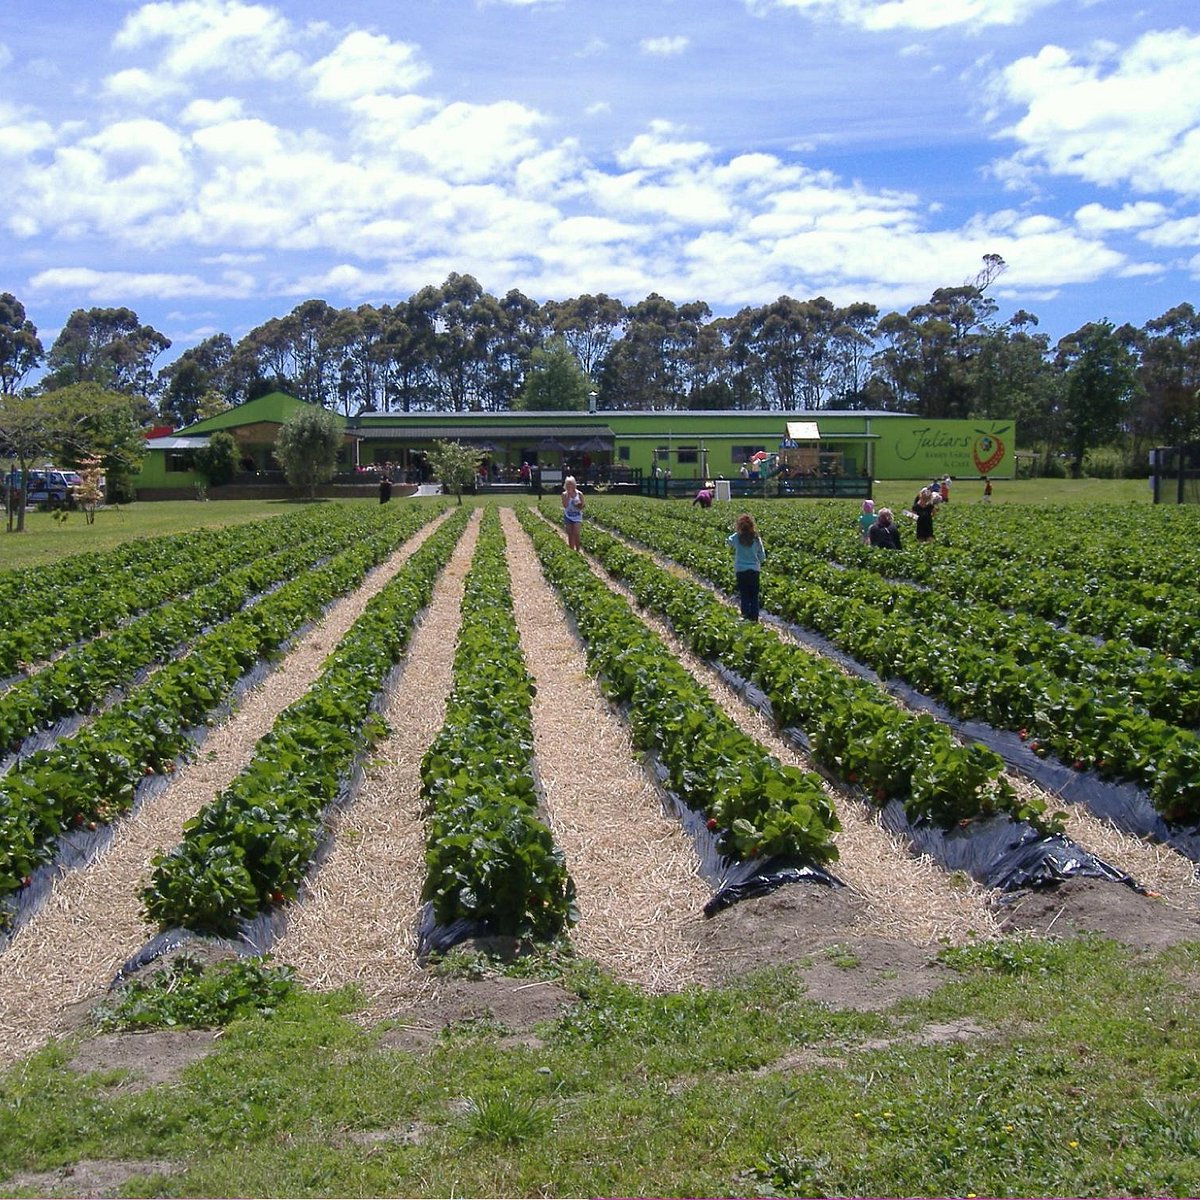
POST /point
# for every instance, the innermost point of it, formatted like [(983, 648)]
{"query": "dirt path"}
[(357, 923), (639, 898), (92, 920)]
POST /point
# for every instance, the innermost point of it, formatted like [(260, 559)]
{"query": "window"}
[(622, 453), (181, 460), (687, 454)]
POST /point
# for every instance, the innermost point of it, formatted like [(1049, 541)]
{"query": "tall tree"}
[(555, 381), (1098, 380), (20, 349), (1168, 409), (307, 447), (195, 374), (108, 346), (589, 325)]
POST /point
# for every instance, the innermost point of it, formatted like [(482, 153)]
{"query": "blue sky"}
[(212, 163)]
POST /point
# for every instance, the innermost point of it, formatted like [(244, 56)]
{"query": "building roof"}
[(175, 442), (477, 433)]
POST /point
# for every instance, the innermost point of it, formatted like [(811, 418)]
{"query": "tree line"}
[(456, 348)]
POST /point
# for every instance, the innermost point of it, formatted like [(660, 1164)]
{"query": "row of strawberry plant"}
[(92, 776), (490, 859), (1075, 589), (252, 846), (1091, 724), (83, 677), (854, 730), (757, 806), (112, 592)]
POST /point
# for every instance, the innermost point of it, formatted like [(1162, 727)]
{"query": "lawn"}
[(46, 540)]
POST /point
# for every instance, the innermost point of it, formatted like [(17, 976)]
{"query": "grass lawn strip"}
[(907, 897), (358, 920), (637, 891), (93, 921)]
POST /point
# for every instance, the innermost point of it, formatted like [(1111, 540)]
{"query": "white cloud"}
[(212, 37), (6, 56), (664, 47), (658, 148), (121, 286), (366, 64), (880, 15), (136, 86), (1132, 119), (212, 112), (1095, 218), (1183, 232)]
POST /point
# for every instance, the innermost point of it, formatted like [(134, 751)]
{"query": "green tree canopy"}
[(453, 465), (307, 447), (218, 461), (20, 349), (1097, 384), (555, 383)]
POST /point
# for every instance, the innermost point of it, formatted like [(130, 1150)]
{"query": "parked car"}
[(46, 485)]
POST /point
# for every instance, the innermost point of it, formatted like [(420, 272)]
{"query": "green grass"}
[(898, 494), (1083, 1082)]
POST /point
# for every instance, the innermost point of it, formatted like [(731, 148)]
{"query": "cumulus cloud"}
[(136, 86), (120, 286), (664, 47), (199, 37), (1095, 218), (1112, 118), (366, 64), (659, 147), (881, 15)]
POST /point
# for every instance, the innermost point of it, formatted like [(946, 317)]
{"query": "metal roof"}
[(480, 433), (176, 443)]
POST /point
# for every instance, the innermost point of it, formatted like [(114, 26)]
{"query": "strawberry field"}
[(358, 735)]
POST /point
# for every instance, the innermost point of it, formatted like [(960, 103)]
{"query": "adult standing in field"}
[(572, 502), (987, 490), (922, 509), (885, 532), (865, 520), (945, 489), (748, 558), (385, 484)]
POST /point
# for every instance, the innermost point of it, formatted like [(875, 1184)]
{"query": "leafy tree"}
[(198, 373), (453, 465), (218, 461), (555, 382), (1098, 381), (108, 346), (588, 324), (20, 349), (30, 428), (104, 424), (307, 447)]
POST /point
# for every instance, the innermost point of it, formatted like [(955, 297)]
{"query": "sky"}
[(213, 163)]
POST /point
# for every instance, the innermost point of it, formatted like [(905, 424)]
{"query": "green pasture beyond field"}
[(46, 539)]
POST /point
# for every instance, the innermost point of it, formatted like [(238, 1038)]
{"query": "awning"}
[(803, 431)]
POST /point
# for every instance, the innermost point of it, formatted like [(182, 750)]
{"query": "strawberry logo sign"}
[(987, 452)]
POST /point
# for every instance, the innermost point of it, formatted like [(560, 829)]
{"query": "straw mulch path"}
[(92, 920), (905, 897), (639, 898), (357, 924)]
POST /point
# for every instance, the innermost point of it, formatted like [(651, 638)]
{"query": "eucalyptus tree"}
[(1168, 403), (185, 384), (1098, 381), (20, 348), (106, 346), (588, 324)]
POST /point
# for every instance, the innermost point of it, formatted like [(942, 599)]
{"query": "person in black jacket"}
[(885, 532)]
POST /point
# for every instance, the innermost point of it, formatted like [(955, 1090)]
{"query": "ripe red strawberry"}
[(712, 823)]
